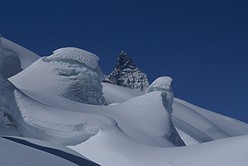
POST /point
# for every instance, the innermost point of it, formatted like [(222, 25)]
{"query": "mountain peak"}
[(123, 52), (127, 74), (124, 61)]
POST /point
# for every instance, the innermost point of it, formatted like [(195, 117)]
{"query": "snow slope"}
[(14, 154), (10, 48), (126, 140), (114, 149), (16, 151), (150, 129), (201, 124), (13, 58), (134, 129), (42, 77), (112, 146)]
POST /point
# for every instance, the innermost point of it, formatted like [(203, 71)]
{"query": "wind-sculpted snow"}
[(13, 58), (79, 55), (55, 125), (65, 77), (152, 127), (9, 48), (163, 84), (60, 99)]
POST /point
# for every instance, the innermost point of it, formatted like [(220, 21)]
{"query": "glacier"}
[(60, 103)]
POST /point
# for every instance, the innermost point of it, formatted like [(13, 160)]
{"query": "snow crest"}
[(163, 84), (79, 55)]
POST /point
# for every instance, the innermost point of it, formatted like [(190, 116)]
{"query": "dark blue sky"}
[(201, 44)]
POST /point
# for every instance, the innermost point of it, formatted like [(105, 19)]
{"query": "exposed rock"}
[(127, 74)]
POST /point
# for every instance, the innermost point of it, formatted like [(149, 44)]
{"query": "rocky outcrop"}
[(127, 74)]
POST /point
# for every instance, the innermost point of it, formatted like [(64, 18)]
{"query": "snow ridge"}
[(79, 55), (163, 84)]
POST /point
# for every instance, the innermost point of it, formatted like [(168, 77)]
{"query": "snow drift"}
[(60, 99), (69, 72)]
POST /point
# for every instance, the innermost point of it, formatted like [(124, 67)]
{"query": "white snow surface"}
[(79, 55), (161, 84), (57, 74), (132, 130), (15, 154), (10, 48)]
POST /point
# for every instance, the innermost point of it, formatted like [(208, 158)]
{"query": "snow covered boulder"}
[(69, 72), (163, 84)]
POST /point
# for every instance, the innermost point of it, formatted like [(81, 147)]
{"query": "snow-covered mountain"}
[(40, 107), (127, 74)]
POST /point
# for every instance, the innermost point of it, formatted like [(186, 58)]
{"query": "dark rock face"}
[(127, 74)]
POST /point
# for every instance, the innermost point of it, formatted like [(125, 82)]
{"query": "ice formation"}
[(163, 84), (79, 55), (69, 72)]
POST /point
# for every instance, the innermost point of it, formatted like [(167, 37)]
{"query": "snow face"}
[(163, 84), (60, 126), (11, 62), (9, 48), (59, 75)]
